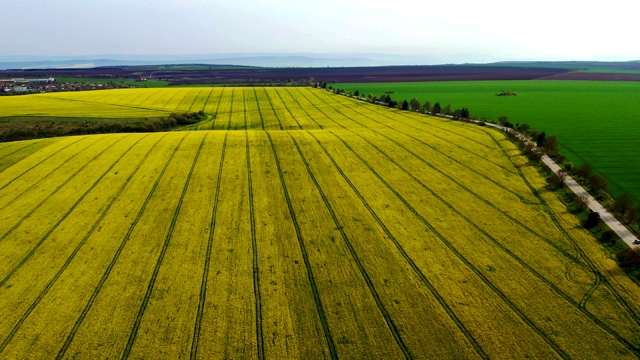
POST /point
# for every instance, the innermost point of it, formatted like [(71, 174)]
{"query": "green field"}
[(304, 225), (595, 122)]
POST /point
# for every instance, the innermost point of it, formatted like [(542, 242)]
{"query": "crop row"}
[(324, 228)]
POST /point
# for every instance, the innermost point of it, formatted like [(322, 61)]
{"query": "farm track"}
[(38, 163), (422, 277), (363, 272), (180, 96), (518, 311), (212, 122), (323, 228), (450, 246), (108, 104), (75, 251), (141, 95), (204, 105), (71, 209), (231, 109), (17, 150), (498, 244), (452, 179), (406, 256), (207, 262), (42, 177), (305, 255), (288, 110), (163, 251), (522, 199), (55, 190), (579, 305), (196, 98), (400, 114), (215, 116), (107, 272), (271, 105), (255, 94), (471, 340), (599, 278), (254, 255)]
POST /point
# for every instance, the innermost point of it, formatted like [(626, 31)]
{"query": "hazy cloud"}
[(464, 31)]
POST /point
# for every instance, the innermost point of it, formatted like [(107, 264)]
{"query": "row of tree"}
[(623, 206), (23, 130), (413, 104), (544, 144)]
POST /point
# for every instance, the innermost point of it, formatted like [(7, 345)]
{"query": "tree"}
[(629, 258), (598, 183), (405, 105), (502, 120), (540, 139), (446, 110), (633, 215), (436, 108), (524, 128), (550, 145), (464, 113), (593, 220), (356, 93), (557, 180), (426, 107), (414, 104), (622, 204), (582, 202), (608, 236), (584, 170)]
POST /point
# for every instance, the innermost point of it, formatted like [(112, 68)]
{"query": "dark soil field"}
[(271, 75), (596, 76)]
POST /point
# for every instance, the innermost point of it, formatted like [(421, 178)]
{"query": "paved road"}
[(593, 204)]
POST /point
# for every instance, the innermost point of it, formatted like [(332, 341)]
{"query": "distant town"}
[(21, 86)]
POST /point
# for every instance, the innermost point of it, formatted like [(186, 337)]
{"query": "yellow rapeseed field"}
[(295, 224)]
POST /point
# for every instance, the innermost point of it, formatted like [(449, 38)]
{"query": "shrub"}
[(608, 236)]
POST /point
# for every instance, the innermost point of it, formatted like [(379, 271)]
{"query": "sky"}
[(444, 31)]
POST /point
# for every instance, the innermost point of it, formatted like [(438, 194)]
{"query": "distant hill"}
[(575, 65)]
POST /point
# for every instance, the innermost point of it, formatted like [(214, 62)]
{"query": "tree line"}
[(23, 129), (623, 206)]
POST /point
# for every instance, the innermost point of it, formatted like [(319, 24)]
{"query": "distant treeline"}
[(27, 128)]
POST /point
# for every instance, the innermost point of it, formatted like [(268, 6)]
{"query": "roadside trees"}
[(623, 204), (414, 104), (540, 139), (598, 183), (550, 145), (593, 220)]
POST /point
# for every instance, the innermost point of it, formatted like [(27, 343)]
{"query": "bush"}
[(608, 236), (593, 220), (629, 258)]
